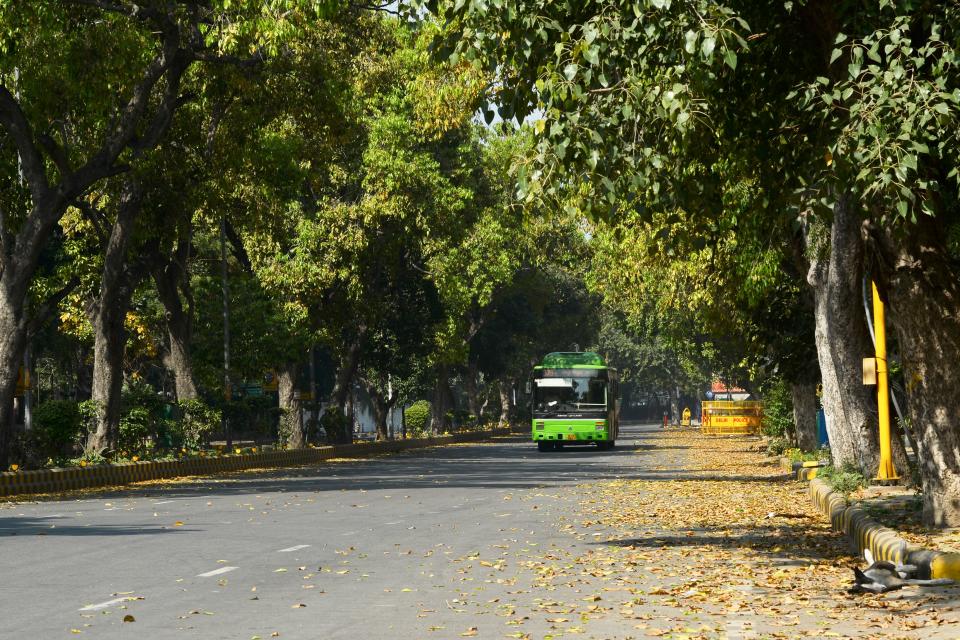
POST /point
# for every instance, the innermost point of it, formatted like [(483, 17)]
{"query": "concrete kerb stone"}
[(883, 543), (15, 483)]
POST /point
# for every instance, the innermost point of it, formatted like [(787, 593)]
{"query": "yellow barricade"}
[(731, 417)]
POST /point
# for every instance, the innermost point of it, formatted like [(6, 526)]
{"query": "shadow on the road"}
[(768, 540), (784, 545), (514, 465), (27, 526), (686, 475)]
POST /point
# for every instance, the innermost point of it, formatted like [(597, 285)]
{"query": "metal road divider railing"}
[(730, 417)]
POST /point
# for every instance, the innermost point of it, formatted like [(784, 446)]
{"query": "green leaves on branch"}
[(613, 93), (892, 113)]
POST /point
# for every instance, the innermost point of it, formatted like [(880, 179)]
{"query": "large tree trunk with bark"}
[(804, 398), (107, 315), (13, 340), (345, 376), (291, 414), (921, 284), (836, 271), (172, 278), (109, 339), (473, 392), (381, 406), (504, 404), (675, 405), (440, 402), (342, 383)]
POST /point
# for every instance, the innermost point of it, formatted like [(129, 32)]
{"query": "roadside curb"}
[(883, 543), (806, 470), (15, 483)]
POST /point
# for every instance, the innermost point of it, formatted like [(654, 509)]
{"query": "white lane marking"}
[(109, 603), (349, 533), (216, 572), (397, 522), (294, 548), (163, 502)]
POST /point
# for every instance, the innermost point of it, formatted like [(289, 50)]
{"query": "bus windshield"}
[(553, 395)]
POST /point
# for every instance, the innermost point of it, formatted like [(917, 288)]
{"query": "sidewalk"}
[(707, 542)]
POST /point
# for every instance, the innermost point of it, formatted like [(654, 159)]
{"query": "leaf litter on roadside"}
[(710, 541)]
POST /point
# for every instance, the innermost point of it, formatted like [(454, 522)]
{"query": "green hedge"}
[(417, 417)]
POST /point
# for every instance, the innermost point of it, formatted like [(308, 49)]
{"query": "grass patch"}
[(845, 479)]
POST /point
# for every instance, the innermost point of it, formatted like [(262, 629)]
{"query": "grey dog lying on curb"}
[(883, 576)]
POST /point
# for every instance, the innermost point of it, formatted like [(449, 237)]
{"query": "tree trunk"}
[(473, 392), (381, 407), (836, 269), (674, 405), (805, 415), (13, 340), (485, 403), (172, 277), (345, 374), (107, 315), (921, 283), (349, 360), (291, 415), (504, 404), (439, 406)]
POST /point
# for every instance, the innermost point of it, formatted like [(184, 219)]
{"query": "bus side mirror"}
[(529, 387)]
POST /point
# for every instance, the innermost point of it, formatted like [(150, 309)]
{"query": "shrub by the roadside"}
[(141, 418), (777, 446), (53, 438), (336, 426), (417, 417), (778, 410), (845, 480), (57, 424), (197, 421)]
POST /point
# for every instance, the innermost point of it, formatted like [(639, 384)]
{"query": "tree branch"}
[(255, 60), (169, 102), (49, 306), (236, 243), (95, 217), (15, 122), (382, 6), (125, 129), (57, 153), (133, 10)]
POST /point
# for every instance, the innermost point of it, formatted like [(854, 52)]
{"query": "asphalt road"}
[(425, 544)]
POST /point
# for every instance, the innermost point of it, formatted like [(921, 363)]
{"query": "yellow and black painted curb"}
[(883, 543), (806, 470), (15, 483)]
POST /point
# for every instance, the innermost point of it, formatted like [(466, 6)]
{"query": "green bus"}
[(576, 400)]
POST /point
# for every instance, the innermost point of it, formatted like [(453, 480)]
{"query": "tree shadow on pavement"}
[(28, 526), (488, 466)]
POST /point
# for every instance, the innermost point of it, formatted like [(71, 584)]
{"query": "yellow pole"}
[(886, 470)]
